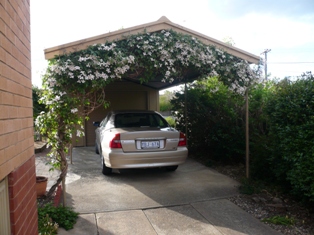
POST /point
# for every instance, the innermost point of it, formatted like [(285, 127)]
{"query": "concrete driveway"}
[(191, 200)]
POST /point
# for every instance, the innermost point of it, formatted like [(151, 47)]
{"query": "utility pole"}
[(265, 66)]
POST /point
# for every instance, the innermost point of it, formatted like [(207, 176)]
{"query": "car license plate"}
[(150, 144)]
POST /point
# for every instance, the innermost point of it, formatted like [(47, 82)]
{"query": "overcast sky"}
[(284, 26)]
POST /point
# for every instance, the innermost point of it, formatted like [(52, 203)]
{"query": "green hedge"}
[(291, 134), (215, 123), (281, 129)]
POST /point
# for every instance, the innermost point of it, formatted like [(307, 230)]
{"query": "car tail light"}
[(115, 143), (182, 140)]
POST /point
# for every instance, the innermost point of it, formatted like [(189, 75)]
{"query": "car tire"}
[(96, 149), (105, 170), (171, 168)]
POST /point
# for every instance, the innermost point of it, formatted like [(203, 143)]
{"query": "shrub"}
[(215, 127), (37, 107), (171, 121), (259, 95), (291, 112), (164, 101), (65, 217), (281, 130), (46, 226)]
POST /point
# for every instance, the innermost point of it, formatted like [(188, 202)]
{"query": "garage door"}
[(119, 100)]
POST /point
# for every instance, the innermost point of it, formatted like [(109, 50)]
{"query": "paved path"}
[(191, 200)]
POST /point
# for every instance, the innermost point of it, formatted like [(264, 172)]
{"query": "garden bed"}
[(271, 207)]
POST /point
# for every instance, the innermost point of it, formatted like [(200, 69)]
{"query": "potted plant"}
[(41, 185)]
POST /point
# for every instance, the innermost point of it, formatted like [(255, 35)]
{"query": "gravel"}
[(264, 205)]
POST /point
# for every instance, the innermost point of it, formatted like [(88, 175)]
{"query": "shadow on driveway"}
[(191, 200)]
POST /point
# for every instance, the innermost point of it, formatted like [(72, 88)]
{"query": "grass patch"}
[(280, 220)]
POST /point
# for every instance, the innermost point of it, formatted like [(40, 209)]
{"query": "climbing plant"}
[(73, 85)]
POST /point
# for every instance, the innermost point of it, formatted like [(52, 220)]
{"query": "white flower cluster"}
[(104, 47), (91, 67), (80, 133), (169, 53), (74, 110), (172, 54), (242, 76)]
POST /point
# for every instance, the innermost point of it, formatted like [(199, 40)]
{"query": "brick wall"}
[(17, 159), (23, 203)]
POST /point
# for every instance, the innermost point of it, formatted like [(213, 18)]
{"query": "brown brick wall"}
[(16, 115), (16, 122)]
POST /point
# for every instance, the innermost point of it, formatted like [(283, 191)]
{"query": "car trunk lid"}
[(148, 139)]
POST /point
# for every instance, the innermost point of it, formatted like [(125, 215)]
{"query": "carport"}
[(130, 92)]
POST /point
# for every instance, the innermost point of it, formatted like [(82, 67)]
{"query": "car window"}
[(158, 121), (104, 122), (139, 120)]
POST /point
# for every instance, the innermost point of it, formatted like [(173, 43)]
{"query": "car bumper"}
[(117, 159)]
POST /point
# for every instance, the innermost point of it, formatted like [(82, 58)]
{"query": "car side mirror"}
[(96, 124)]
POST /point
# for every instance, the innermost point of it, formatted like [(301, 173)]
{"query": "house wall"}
[(17, 160), (121, 95)]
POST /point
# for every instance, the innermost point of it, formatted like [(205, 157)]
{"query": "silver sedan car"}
[(138, 139)]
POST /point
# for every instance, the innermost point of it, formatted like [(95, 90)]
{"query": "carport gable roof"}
[(162, 24)]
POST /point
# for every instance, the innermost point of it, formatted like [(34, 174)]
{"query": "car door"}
[(100, 129)]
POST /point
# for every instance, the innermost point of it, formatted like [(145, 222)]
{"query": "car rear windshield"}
[(140, 120)]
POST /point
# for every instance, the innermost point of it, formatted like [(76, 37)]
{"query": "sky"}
[(286, 27)]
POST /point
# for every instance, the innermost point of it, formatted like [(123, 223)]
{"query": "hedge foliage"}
[(37, 107), (291, 129), (214, 123), (281, 115)]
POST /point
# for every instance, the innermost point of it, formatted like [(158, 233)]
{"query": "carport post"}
[(186, 113), (247, 154)]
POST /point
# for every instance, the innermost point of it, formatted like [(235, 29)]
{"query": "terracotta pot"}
[(41, 185)]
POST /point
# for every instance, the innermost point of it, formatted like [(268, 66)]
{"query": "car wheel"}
[(171, 168), (105, 170), (96, 149)]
